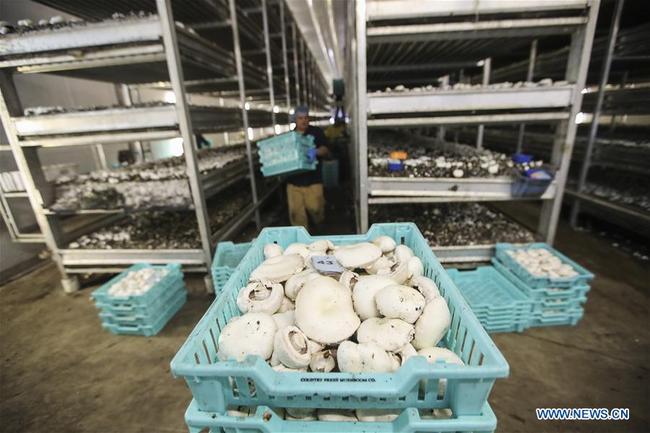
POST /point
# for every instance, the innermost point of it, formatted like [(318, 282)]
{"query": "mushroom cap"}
[(433, 324), (406, 352), (292, 348), (359, 255), (426, 286), (323, 361), (434, 354), (272, 250), (381, 265), (389, 334), (363, 294), (363, 357), (297, 248), (324, 311), (400, 302), (403, 253), (250, 334), (297, 281), (415, 267), (385, 243), (377, 415), (349, 279), (321, 246), (278, 269), (399, 273), (285, 319), (304, 413), (343, 415), (286, 305), (259, 297)]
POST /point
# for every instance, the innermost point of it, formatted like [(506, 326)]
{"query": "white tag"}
[(327, 265)]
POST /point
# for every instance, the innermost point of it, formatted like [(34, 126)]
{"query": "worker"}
[(305, 190)]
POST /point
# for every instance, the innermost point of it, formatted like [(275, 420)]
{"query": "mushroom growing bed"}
[(456, 224), (431, 158), (158, 184), (546, 82)]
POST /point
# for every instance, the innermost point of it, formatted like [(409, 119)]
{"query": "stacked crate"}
[(286, 153), (143, 314), (555, 300), (226, 258), (498, 304)]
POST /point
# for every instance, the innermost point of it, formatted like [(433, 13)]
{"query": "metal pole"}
[(124, 97), (175, 68), (593, 130), (296, 72), (612, 125), (32, 175), (244, 112), (362, 116), (303, 71), (487, 66), (444, 82), (269, 66), (576, 72), (529, 77), (285, 62)]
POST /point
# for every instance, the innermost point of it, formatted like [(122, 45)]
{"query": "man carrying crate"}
[(305, 190)]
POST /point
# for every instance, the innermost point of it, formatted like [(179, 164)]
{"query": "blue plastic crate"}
[(226, 258), (125, 303), (286, 153), (493, 298), (524, 186), (570, 318), (266, 420), (544, 293), (583, 277), (148, 317), (149, 330), (216, 384)]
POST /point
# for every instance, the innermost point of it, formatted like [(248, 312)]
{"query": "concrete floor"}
[(61, 373)]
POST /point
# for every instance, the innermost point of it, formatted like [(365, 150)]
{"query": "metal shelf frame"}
[(385, 24), (140, 51)]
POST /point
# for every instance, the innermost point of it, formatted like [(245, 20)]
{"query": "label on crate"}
[(327, 265)]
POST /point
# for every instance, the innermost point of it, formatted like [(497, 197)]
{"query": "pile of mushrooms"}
[(542, 263), (137, 283), (371, 317)]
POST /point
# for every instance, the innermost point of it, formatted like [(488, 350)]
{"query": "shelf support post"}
[(269, 65), (296, 69), (175, 69), (362, 116), (529, 77), (244, 112), (487, 69), (285, 62), (593, 128), (576, 72)]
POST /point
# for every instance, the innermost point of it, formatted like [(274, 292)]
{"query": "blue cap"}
[(301, 110)]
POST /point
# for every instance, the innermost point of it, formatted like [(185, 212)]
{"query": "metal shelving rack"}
[(385, 38), (137, 51)]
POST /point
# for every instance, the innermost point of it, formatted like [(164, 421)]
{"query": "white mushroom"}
[(399, 273), (285, 369), (342, 415), (324, 311), (435, 354), (405, 352), (260, 297), (321, 246), (382, 265), (363, 357), (272, 250), (282, 320), (385, 243), (286, 305), (426, 286), (296, 282), (415, 267), (377, 415), (278, 269), (433, 324), (323, 361), (389, 334), (403, 253), (359, 255), (363, 294), (297, 248), (291, 346), (349, 279), (250, 334), (400, 302), (302, 414)]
